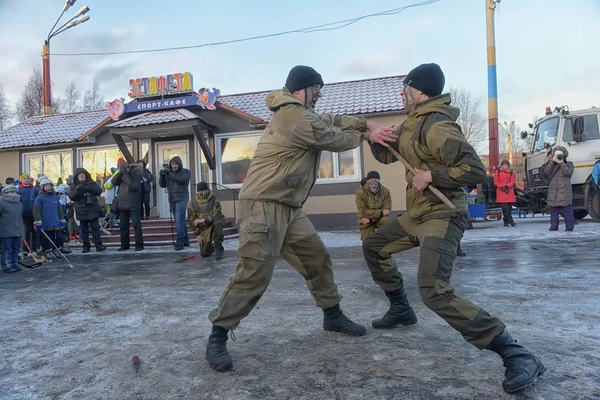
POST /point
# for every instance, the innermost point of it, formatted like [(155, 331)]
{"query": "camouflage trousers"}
[(267, 231), (367, 230), (213, 235), (438, 239)]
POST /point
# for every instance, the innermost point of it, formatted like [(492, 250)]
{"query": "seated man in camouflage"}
[(206, 219), (374, 204)]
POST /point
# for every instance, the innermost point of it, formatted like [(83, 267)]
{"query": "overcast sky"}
[(547, 50)]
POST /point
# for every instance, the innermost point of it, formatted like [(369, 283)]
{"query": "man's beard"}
[(310, 98)]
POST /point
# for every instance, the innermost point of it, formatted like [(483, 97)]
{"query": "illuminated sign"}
[(205, 98), (160, 85)]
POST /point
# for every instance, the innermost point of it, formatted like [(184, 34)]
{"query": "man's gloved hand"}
[(504, 189), (38, 226)]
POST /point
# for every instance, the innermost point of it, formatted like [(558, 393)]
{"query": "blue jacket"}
[(26, 193), (596, 173), (48, 210), (34, 195)]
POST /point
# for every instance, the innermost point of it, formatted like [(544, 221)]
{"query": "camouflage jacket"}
[(286, 161), (443, 150), (370, 205), (208, 209)]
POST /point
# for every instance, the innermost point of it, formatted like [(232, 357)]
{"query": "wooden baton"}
[(435, 191)]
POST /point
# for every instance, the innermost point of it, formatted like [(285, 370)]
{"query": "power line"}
[(318, 28)]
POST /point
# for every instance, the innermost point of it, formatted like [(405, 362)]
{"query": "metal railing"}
[(234, 192)]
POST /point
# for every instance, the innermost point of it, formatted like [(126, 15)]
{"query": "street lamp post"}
[(46, 48)]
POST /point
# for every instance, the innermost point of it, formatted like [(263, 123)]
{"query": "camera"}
[(559, 156), (165, 166)]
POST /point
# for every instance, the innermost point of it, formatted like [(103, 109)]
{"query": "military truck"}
[(577, 131)]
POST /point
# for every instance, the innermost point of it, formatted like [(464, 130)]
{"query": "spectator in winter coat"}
[(206, 219), (557, 172), (374, 204), (177, 181), (596, 173), (128, 181), (84, 193), (146, 188), (48, 216), (504, 180), (25, 192), (11, 228)]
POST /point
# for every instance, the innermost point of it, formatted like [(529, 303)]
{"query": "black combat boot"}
[(216, 350), (400, 312), (335, 321), (218, 251), (522, 367)]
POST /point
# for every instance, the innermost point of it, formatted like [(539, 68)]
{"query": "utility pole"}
[(490, 7)]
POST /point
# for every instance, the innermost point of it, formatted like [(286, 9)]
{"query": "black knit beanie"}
[(373, 174), (202, 186), (301, 77), (428, 78)]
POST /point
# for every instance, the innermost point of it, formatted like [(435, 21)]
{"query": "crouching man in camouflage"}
[(206, 220), (432, 142), (270, 217)]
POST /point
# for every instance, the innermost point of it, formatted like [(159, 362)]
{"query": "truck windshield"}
[(546, 134)]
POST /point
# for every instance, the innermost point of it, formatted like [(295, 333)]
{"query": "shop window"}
[(54, 165), (234, 154), (98, 162)]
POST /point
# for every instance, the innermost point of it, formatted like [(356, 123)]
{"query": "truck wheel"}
[(593, 205), (580, 214)]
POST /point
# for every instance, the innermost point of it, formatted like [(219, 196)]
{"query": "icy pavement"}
[(71, 333)]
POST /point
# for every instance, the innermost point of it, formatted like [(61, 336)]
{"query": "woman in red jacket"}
[(504, 179)]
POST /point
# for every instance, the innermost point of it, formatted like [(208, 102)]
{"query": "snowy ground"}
[(70, 334)]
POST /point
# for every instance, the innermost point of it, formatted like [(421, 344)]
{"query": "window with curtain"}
[(339, 166)]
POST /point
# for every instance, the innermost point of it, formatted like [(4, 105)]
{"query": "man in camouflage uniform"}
[(270, 217), (206, 220), (432, 142), (374, 204)]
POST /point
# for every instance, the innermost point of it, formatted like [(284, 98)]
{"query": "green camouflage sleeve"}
[(313, 133), (387, 199), (382, 154), (345, 122), (462, 165)]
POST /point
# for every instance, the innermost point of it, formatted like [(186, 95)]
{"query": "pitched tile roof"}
[(50, 129), (345, 98), (155, 117)]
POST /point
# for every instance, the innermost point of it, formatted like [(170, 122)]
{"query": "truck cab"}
[(577, 131)]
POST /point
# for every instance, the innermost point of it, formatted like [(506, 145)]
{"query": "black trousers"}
[(86, 225), (55, 236), (507, 212), (30, 234), (124, 228), (145, 202)]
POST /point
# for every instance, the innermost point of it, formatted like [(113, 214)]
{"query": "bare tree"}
[(471, 119), (93, 99), (31, 102), (5, 111), (72, 102)]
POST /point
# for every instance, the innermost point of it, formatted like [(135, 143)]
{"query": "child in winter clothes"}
[(11, 228), (49, 217)]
